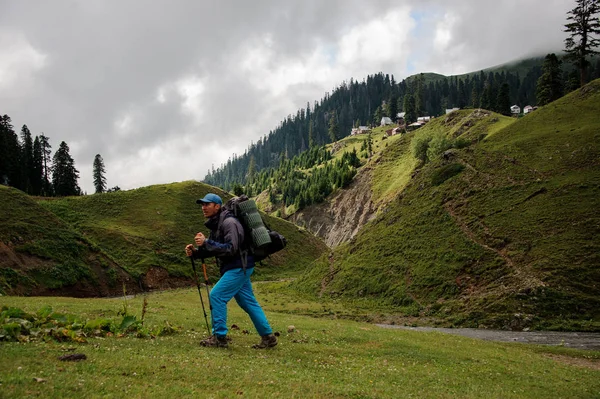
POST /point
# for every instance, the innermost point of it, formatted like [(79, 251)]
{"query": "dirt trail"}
[(576, 340)]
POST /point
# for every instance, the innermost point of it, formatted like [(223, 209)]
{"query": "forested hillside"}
[(365, 102)]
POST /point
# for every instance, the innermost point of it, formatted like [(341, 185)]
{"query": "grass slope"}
[(149, 227), (40, 254), (322, 357), (503, 233)]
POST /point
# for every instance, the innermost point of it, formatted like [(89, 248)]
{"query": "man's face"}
[(210, 209)]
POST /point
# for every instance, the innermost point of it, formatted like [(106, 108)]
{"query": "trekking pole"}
[(200, 292), (207, 290)]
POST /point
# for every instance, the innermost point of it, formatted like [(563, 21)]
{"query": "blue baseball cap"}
[(210, 197)]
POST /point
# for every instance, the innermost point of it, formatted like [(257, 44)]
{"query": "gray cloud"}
[(163, 90)]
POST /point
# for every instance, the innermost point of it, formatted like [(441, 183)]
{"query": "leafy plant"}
[(18, 325)]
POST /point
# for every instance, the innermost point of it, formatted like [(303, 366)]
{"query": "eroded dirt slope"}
[(340, 218)]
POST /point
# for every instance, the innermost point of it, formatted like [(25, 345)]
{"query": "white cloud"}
[(163, 91), (176, 159), (191, 89), (443, 32), (19, 61), (376, 41)]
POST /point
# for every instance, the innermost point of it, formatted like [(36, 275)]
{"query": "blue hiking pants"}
[(236, 284)]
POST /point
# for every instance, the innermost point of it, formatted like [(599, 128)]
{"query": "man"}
[(225, 243)]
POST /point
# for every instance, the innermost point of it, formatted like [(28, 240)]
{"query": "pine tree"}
[(64, 174), (45, 147), (334, 130), (311, 135), (10, 154), (26, 160), (486, 102), (392, 108), (37, 178), (419, 95), (4, 148), (377, 116), (582, 42), (410, 109), (99, 171), (503, 100), (549, 85)]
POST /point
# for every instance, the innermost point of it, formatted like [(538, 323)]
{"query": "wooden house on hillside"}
[(386, 121), (360, 130)]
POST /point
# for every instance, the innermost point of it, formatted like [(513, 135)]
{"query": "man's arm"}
[(197, 253), (233, 236)]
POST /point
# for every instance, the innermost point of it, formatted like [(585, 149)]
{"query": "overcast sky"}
[(165, 89)]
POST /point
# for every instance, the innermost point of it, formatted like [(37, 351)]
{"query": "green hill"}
[(501, 233), (88, 245), (145, 230), (42, 255)]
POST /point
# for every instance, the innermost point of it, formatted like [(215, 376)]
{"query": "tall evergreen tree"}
[(10, 154), (4, 149), (64, 174), (377, 116), (583, 28), (45, 147), (486, 97), (311, 134), (419, 95), (503, 100), (37, 178), (410, 109), (549, 85), (251, 169), (26, 166), (334, 130), (99, 172), (392, 108)]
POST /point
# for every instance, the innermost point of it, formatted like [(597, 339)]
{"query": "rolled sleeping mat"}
[(248, 206), (253, 220), (260, 236)]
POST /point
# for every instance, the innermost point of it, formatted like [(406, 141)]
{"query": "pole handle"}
[(204, 271)]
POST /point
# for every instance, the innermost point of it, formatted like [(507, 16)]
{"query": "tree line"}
[(26, 164), (365, 103)]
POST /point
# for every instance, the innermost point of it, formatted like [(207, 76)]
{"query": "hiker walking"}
[(224, 243)]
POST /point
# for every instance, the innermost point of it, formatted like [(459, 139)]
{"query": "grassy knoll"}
[(501, 232), (149, 227), (323, 357), (90, 245), (41, 254)]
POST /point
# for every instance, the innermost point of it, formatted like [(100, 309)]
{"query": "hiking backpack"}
[(260, 240)]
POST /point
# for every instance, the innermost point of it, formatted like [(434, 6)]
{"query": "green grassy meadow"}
[(324, 357)]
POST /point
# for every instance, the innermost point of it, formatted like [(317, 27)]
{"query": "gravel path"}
[(577, 340)]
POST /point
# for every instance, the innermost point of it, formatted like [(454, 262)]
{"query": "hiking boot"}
[(215, 341), (266, 341)]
